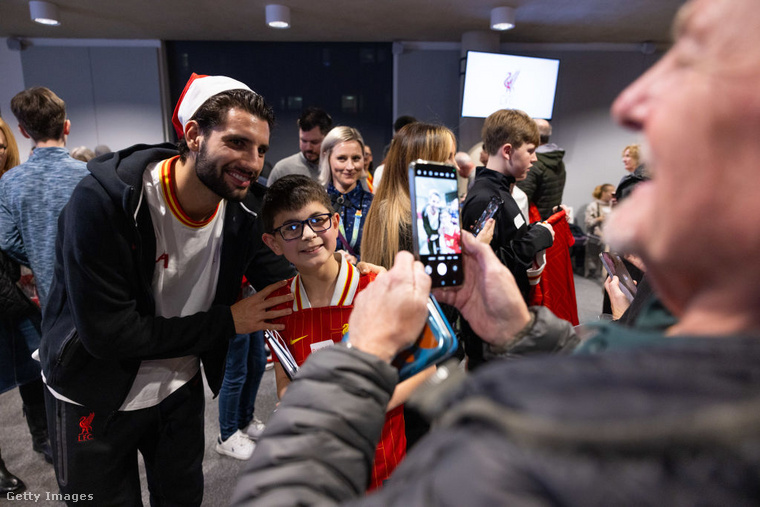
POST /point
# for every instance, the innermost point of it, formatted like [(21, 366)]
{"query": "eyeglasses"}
[(294, 230)]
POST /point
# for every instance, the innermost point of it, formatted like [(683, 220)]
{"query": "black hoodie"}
[(99, 322)]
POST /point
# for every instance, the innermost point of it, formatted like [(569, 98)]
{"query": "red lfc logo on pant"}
[(86, 424)]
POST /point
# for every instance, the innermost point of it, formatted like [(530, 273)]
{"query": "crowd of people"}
[(154, 263)]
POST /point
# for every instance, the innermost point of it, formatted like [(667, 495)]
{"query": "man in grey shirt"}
[(313, 126), (33, 194)]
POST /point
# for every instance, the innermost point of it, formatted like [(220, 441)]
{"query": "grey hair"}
[(333, 138), (544, 130)]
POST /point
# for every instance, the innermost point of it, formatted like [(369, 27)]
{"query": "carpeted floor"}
[(220, 472)]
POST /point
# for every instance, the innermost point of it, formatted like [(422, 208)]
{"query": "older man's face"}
[(699, 110)]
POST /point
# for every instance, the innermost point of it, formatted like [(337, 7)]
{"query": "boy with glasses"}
[(301, 225)]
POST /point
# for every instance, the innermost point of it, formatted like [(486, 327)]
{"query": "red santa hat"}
[(199, 89)]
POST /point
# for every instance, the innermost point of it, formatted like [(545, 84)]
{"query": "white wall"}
[(11, 82), (112, 89), (590, 77)]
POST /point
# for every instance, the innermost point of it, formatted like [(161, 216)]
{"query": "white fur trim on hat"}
[(200, 90)]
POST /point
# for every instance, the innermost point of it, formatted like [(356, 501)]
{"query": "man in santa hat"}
[(150, 255)]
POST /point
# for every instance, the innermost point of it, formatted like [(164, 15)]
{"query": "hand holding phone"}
[(436, 344), (613, 263), (493, 206)]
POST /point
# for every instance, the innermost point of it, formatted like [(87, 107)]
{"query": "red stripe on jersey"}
[(347, 286), (168, 186), (296, 283)]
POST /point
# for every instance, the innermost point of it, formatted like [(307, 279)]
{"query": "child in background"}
[(450, 232), (301, 225)]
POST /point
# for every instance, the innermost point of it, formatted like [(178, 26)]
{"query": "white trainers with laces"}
[(254, 429), (238, 446)]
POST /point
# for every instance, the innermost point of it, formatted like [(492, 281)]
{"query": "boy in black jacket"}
[(510, 138)]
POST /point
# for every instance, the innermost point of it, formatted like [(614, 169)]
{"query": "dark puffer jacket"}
[(545, 181), (673, 424)]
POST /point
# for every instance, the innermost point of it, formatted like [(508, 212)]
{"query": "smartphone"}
[(493, 206), (436, 230), (278, 347), (615, 267), (436, 344)]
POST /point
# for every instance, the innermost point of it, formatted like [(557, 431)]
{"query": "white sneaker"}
[(254, 429), (238, 446), (270, 361)]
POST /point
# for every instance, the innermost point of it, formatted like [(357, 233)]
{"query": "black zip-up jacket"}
[(514, 240), (99, 322)]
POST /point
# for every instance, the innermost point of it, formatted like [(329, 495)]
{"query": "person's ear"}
[(506, 151), (336, 220), (66, 127), (270, 241), (23, 132), (193, 135)]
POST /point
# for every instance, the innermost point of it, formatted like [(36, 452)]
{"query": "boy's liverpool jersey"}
[(309, 329)]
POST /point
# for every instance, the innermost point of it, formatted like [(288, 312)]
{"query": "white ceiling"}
[(546, 21)]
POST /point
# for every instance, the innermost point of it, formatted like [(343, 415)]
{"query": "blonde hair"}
[(332, 139), (634, 152), (391, 209), (11, 152), (82, 153), (599, 190)]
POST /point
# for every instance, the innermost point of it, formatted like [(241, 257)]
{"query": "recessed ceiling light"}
[(44, 13), (278, 16), (502, 18)]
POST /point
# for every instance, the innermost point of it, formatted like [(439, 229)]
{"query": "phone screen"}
[(435, 221), (488, 213)]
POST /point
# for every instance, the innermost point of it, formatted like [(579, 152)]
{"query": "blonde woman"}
[(636, 172), (388, 227), (598, 210), (341, 164), (8, 148), (596, 213)]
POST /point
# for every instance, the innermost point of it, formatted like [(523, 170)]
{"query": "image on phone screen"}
[(435, 221)]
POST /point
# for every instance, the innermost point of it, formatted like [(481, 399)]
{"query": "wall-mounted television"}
[(494, 81)]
